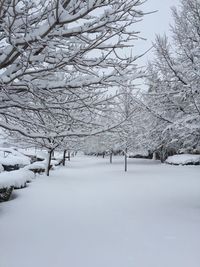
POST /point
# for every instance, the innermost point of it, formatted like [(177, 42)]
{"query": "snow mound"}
[(9, 156), (183, 159), (36, 165), (14, 160), (17, 178), (41, 165)]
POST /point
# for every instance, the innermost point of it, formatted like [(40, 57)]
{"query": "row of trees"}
[(58, 59), (165, 119)]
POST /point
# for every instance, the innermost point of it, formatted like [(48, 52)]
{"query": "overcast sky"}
[(157, 23)]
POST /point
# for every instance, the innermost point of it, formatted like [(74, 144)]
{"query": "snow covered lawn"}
[(92, 214)]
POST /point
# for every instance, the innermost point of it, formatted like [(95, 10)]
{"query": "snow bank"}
[(9, 156), (17, 178), (14, 160), (183, 159), (36, 165)]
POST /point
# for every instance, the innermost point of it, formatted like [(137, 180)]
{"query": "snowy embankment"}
[(9, 156), (38, 165), (184, 159), (16, 179), (14, 160), (93, 214), (41, 165)]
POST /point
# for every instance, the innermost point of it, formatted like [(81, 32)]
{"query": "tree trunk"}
[(163, 154), (111, 157), (103, 155), (49, 162), (64, 157), (125, 160), (68, 155), (154, 156)]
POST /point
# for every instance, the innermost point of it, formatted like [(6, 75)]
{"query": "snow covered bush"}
[(37, 167), (184, 159), (11, 158), (16, 179)]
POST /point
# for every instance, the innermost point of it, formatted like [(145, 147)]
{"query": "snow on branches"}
[(57, 60), (174, 81)]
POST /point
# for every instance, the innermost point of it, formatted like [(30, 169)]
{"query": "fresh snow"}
[(9, 156), (183, 159), (31, 152), (93, 214), (14, 160), (17, 178), (36, 165), (40, 165)]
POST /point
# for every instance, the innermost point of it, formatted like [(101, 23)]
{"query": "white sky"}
[(156, 23)]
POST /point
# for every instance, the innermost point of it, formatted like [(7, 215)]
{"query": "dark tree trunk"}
[(163, 154), (103, 155), (68, 155), (49, 162), (64, 157), (111, 154), (125, 160)]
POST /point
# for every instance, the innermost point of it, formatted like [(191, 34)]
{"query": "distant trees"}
[(126, 112)]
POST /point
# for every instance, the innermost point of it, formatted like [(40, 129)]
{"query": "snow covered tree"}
[(78, 42), (58, 59), (174, 82)]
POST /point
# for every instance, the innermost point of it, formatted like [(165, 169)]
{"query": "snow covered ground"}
[(92, 214)]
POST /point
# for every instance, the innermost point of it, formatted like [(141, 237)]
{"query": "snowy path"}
[(92, 214)]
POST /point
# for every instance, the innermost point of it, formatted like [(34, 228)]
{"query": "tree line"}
[(61, 59)]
